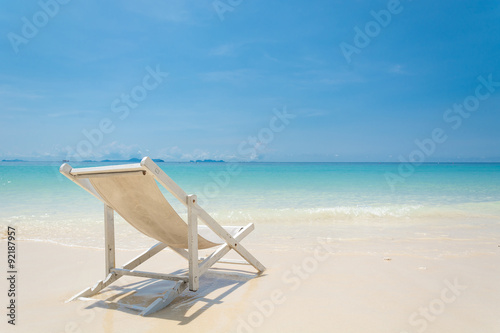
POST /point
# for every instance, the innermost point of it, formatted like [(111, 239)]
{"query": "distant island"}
[(136, 160), (207, 161), (13, 160)]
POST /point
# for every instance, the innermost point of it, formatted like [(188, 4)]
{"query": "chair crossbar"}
[(110, 174), (152, 275), (229, 261)]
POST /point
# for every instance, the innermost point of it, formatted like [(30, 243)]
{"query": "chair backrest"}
[(135, 196)]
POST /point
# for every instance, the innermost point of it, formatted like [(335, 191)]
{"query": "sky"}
[(241, 80)]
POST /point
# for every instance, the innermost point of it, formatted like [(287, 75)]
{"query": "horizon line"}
[(222, 162)]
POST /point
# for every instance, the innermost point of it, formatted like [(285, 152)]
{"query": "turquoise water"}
[(47, 206)]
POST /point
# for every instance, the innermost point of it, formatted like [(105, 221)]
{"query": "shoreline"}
[(129, 239)]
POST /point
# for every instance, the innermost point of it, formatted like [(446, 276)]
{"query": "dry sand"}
[(319, 279)]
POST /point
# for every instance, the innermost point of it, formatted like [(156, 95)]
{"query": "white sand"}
[(366, 279)]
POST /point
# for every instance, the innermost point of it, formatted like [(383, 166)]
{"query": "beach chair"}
[(132, 192)]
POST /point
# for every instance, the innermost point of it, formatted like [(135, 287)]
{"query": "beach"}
[(382, 283), (378, 265)]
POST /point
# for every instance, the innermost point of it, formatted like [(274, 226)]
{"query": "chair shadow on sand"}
[(215, 285)]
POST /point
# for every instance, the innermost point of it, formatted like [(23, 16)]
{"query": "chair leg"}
[(230, 241), (194, 281), (109, 236)]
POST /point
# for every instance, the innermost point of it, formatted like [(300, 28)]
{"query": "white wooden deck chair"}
[(132, 192)]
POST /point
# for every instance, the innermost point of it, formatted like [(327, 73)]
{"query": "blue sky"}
[(80, 67)]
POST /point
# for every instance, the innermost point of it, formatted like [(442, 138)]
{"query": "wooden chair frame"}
[(197, 266)]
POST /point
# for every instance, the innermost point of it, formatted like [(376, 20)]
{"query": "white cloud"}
[(223, 50), (398, 69), (175, 11), (176, 154), (233, 76), (113, 151), (311, 112), (67, 113), (233, 49), (9, 92)]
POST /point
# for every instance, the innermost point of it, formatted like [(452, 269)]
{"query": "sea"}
[(45, 206)]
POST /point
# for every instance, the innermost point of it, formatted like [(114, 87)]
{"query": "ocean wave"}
[(490, 210)]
